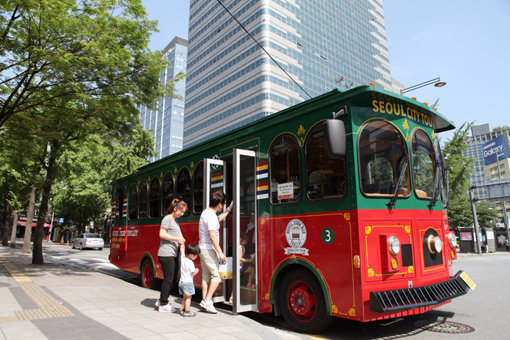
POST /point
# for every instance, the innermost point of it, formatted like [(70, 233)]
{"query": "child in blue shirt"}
[(188, 270)]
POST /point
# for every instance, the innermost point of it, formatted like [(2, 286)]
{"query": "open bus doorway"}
[(236, 176)]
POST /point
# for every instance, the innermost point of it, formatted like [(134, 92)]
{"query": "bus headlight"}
[(394, 245), (435, 244), (452, 239)]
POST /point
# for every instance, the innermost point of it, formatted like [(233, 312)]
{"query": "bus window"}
[(325, 176), (423, 165), (184, 187), (133, 202), (382, 153), (285, 170), (120, 203), (198, 188), (142, 200), (154, 198), (168, 192)]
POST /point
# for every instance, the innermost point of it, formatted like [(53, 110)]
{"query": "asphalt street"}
[(70, 273)]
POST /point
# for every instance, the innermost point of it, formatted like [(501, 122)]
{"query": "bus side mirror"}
[(335, 137)]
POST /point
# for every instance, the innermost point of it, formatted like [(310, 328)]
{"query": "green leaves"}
[(72, 74), (54, 50), (459, 167)]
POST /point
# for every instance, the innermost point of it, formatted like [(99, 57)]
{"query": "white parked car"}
[(88, 241)]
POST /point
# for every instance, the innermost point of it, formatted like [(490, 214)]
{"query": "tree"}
[(80, 197), (459, 170), (19, 169), (485, 214), (459, 167), (459, 211), (76, 68), (132, 152), (83, 192), (55, 49)]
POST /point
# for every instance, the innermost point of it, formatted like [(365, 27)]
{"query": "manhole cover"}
[(448, 327)]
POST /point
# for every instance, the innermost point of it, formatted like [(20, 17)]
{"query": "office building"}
[(167, 121), (489, 149), (321, 45)]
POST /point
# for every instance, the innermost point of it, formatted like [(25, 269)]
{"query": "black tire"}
[(100, 248), (301, 302), (73, 246), (147, 275)]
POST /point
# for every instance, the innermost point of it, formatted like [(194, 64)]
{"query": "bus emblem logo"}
[(296, 237)]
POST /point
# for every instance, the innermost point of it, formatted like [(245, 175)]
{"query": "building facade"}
[(320, 44), (489, 149), (167, 122)]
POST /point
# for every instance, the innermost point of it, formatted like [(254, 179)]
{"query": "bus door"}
[(244, 232), (215, 179)]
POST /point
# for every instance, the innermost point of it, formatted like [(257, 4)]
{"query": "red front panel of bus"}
[(414, 266)]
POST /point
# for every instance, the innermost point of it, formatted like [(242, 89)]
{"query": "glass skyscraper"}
[(167, 122), (321, 44)]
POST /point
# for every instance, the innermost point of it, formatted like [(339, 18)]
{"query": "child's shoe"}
[(188, 313)]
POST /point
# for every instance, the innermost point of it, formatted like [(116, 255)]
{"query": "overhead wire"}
[(263, 49)]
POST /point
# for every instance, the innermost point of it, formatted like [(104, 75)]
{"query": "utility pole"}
[(505, 220), (475, 222)]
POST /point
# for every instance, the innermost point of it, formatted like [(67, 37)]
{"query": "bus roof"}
[(440, 122)]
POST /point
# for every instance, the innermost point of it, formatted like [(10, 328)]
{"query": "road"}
[(481, 314), (92, 259)]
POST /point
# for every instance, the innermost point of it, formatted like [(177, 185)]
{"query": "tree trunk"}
[(37, 255), (5, 230), (28, 226), (13, 230), (106, 228)]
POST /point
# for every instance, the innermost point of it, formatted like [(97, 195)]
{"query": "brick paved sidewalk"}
[(55, 301)]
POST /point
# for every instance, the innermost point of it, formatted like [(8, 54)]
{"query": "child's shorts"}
[(186, 288)]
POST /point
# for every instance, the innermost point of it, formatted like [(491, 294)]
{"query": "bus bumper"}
[(409, 298)]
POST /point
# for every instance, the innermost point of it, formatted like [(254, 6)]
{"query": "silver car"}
[(88, 241)]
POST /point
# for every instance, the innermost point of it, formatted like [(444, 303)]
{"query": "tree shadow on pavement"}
[(57, 269)]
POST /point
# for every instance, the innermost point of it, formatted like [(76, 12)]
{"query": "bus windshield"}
[(382, 153)]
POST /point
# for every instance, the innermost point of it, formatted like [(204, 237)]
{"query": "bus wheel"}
[(147, 274), (301, 302)]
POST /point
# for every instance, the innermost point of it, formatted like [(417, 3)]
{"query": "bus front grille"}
[(409, 298)]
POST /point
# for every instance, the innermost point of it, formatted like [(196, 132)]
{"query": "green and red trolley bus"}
[(342, 197)]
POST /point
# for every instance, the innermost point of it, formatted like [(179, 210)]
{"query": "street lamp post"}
[(436, 82), (478, 248)]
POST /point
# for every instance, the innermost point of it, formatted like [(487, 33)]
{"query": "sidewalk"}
[(56, 301)]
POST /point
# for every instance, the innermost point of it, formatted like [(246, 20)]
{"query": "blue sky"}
[(465, 42)]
